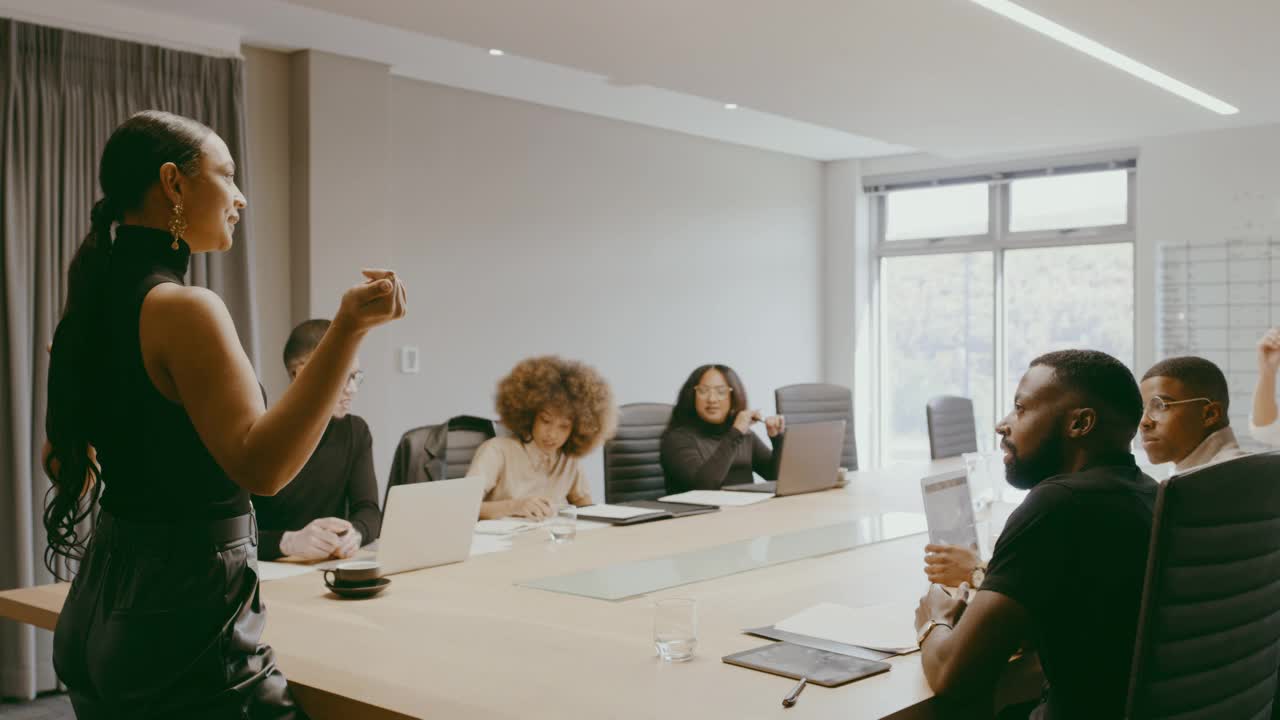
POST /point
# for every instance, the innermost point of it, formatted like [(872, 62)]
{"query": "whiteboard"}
[(1214, 300)]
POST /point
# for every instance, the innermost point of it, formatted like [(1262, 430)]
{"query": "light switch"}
[(409, 360)]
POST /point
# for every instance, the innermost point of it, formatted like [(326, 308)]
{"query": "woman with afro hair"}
[(557, 410)]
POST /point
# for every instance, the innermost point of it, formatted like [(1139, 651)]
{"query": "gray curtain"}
[(61, 95)]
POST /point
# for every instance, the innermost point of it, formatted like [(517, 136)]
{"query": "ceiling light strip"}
[(1097, 50)]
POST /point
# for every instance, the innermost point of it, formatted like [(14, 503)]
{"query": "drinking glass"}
[(675, 628), (563, 524), (981, 491)]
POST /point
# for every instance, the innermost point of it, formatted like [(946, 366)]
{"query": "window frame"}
[(997, 240)]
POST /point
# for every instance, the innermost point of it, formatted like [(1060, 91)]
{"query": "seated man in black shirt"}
[(1067, 572), (331, 507)]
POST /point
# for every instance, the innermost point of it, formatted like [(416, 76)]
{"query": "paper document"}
[(277, 570), (889, 627), (505, 526), (614, 512), (485, 544), (719, 498)]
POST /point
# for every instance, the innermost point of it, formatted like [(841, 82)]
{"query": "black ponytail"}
[(74, 374), (78, 370)]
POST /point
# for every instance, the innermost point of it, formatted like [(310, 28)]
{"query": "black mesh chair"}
[(952, 430), (1208, 642), (817, 402), (632, 467)]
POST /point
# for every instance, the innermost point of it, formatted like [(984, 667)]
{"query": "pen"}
[(790, 699)]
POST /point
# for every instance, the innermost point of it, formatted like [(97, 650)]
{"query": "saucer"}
[(360, 591)]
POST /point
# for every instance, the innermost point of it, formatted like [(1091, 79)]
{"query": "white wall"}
[(267, 111), (521, 229), (847, 292), (1206, 188), (524, 230)]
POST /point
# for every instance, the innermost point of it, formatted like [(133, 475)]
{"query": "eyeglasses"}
[(1158, 406), (356, 377), (718, 392)]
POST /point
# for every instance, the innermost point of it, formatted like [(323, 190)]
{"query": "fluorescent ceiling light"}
[(730, 106), (1097, 50), (496, 52)]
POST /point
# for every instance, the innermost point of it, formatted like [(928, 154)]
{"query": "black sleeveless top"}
[(155, 469)]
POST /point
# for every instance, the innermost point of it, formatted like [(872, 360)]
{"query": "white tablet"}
[(948, 509)]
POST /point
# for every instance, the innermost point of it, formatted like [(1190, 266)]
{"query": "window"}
[(1063, 297), (1049, 266), (1066, 202), (936, 212), (939, 338)]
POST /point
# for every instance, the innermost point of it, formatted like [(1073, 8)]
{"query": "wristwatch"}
[(928, 628), (978, 575)]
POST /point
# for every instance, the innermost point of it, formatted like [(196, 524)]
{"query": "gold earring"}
[(177, 225)]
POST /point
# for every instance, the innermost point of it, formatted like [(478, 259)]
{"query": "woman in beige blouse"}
[(558, 410)]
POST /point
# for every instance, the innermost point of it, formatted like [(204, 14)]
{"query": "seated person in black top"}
[(709, 443), (1067, 572), (331, 507), (1185, 422)]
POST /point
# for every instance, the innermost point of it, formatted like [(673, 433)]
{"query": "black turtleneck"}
[(701, 456), (155, 468)]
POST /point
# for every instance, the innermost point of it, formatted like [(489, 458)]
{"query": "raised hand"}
[(380, 299)]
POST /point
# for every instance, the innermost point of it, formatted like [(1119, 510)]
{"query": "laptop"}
[(428, 524), (809, 463)]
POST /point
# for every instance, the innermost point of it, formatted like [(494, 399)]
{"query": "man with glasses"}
[(1185, 422), (331, 507)]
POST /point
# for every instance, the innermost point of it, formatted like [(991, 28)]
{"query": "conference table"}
[(466, 641)]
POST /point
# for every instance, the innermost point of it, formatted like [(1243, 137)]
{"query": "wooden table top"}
[(465, 641)]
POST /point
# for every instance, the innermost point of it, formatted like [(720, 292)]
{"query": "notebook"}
[(620, 514), (718, 498), (675, 509)]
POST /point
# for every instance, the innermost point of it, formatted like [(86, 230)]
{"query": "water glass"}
[(563, 524), (675, 628), (981, 491), (995, 469)]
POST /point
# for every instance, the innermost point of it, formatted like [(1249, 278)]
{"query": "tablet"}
[(823, 668), (948, 509)]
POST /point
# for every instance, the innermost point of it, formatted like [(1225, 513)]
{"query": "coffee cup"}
[(353, 574)]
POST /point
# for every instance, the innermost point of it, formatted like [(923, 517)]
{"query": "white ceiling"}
[(819, 78)]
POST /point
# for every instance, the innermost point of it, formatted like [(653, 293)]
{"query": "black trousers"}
[(165, 622)]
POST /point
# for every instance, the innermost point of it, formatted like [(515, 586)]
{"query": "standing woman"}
[(164, 618), (709, 443)]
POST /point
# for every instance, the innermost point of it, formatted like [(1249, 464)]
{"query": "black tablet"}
[(823, 668)]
